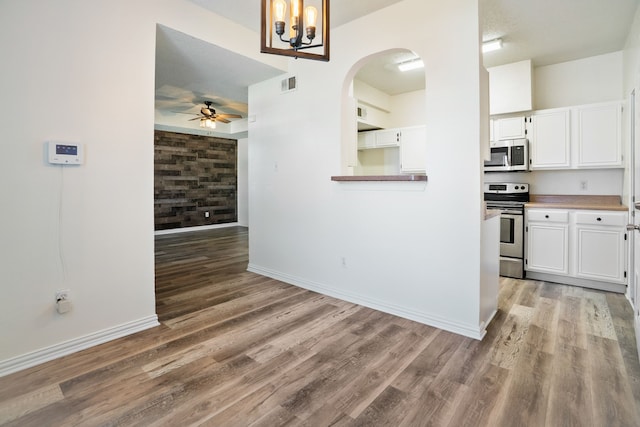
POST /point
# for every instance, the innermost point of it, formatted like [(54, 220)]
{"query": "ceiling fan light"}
[(208, 123), (491, 45)]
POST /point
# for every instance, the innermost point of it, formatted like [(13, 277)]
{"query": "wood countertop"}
[(605, 203), (369, 178)]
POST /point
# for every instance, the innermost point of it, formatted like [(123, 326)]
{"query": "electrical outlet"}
[(63, 304), (63, 294), (343, 260), (206, 214), (584, 185)]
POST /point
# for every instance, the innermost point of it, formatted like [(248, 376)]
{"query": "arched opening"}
[(384, 101)]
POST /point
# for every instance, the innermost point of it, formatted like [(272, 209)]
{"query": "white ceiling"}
[(554, 31), (189, 71)]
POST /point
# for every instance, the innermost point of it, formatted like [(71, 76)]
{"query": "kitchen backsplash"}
[(581, 182)]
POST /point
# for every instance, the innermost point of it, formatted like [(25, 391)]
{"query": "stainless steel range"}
[(509, 198)]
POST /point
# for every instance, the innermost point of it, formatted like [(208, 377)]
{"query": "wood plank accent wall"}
[(194, 174)]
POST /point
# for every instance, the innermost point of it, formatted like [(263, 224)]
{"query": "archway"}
[(383, 91)]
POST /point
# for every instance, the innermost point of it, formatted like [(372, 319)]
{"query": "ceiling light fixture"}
[(207, 123), (301, 20), (491, 45), (412, 64)]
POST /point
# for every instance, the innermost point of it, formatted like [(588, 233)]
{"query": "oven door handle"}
[(511, 212)]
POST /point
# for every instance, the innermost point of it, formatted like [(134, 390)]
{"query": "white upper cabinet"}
[(510, 88), (388, 138), (379, 139), (366, 140), (579, 137), (411, 140), (550, 139), (598, 135), (509, 128)]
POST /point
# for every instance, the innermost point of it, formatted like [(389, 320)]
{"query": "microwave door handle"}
[(505, 160)]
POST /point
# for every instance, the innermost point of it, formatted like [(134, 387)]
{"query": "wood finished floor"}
[(238, 349)]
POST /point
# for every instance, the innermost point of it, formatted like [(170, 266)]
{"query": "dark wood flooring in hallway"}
[(238, 349)]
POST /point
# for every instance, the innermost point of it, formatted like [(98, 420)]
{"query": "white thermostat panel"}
[(65, 153)]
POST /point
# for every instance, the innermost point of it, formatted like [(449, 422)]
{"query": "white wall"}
[(584, 81), (631, 79), (89, 66), (412, 249), (243, 182), (408, 109), (598, 181), (379, 161)]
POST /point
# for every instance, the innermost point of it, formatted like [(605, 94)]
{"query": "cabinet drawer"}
[(550, 215), (601, 218)]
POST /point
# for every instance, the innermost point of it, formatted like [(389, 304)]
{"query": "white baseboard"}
[(199, 228), (46, 354), (472, 331)]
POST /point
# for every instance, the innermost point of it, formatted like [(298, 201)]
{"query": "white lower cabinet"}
[(600, 246), (576, 246), (547, 241)]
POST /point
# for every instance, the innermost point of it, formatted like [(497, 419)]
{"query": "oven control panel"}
[(506, 187)]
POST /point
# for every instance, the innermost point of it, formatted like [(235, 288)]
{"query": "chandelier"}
[(295, 30)]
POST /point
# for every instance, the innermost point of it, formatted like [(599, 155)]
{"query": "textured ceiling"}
[(247, 12), (553, 31), (189, 70)]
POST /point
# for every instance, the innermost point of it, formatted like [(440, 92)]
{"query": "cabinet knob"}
[(598, 219), (546, 216)]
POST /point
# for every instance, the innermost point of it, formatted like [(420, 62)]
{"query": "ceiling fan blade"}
[(220, 119), (195, 118), (230, 116)]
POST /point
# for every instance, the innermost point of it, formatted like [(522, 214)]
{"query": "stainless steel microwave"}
[(509, 155)]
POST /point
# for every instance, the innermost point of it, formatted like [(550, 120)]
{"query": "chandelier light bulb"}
[(279, 9), (295, 8), (311, 16)]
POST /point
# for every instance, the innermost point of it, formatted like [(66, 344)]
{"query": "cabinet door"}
[(600, 253), (388, 138), (510, 128), (547, 248), (492, 124), (413, 150), (550, 139), (366, 140), (599, 137)]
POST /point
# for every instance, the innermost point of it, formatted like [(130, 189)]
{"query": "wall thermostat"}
[(65, 153)]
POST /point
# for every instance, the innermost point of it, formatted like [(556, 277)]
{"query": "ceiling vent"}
[(289, 84)]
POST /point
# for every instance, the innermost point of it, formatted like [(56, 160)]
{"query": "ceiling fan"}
[(209, 116)]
